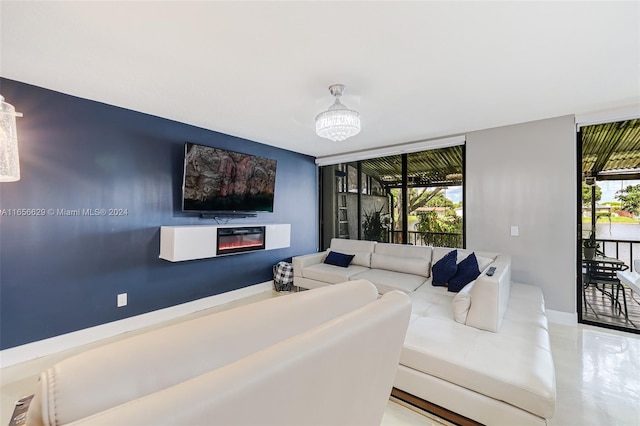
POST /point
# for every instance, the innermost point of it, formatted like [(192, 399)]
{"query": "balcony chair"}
[(604, 271)]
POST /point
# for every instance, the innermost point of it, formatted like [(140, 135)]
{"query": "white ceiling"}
[(260, 70)]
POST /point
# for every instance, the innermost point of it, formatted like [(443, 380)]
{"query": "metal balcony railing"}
[(625, 250), (436, 239)]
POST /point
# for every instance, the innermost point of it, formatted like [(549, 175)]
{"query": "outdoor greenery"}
[(613, 219), (433, 222), (376, 225), (630, 199), (428, 222), (586, 194), (438, 200), (624, 210), (446, 221), (417, 197)]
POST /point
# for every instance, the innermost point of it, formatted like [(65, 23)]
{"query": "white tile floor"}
[(597, 375)]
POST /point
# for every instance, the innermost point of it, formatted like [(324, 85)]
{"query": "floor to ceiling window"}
[(609, 223), (414, 198)]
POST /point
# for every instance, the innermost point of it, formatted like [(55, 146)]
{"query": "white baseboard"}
[(74, 339), (562, 318)]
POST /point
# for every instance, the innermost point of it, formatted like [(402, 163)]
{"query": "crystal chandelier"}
[(338, 122), (9, 162)]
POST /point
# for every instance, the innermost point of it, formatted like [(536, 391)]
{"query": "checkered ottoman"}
[(283, 276)]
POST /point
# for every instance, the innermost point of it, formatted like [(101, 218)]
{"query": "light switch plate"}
[(514, 231)]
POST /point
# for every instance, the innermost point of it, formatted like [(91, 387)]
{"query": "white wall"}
[(525, 175)]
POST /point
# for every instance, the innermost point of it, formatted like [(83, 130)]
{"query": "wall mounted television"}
[(220, 181)]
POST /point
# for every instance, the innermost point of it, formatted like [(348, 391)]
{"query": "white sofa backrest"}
[(339, 373), (361, 249), (402, 258), (117, 373)]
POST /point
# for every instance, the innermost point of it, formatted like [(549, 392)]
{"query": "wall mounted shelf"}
[(189, 242)]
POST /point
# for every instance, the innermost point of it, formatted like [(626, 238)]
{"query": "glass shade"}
[(9, 162), (338, 123)]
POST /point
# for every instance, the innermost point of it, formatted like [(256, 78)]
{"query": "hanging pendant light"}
[(338, 122), (9, 161)]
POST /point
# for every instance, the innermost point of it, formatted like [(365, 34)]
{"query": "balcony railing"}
[(625, 250), (436, 239)]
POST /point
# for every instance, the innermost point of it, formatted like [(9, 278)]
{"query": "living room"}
[(81, 148)]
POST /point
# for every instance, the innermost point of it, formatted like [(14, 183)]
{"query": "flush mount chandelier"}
[(338, 122)]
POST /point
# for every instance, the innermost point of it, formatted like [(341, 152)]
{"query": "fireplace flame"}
[(239, 244)]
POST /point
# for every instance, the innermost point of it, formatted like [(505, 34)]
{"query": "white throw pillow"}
[(461, 303), (483, 262)]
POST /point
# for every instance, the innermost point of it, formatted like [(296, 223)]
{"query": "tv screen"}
[(217, 180)]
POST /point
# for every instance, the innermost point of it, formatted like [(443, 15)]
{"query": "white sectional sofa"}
[(483, 352), (253, 365), (408, 268)]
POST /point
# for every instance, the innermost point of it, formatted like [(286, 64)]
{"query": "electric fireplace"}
[(240, 239)]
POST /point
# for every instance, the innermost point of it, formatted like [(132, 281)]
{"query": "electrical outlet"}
[(514, 231), (122, 300)]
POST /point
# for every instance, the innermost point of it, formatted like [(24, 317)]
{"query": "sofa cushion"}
[(408, 265), (338, 259), (331, 274), (434, 302), (361, 249), (467, 272), (402, 258), (390, 280), (444, 269)]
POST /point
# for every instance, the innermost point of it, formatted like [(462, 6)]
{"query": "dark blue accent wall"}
[(60, 274)]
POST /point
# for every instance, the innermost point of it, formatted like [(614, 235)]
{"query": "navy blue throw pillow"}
[(339, 259), (444, 269), (467, 272)]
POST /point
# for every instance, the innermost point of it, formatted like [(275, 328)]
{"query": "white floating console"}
[(178, 243)]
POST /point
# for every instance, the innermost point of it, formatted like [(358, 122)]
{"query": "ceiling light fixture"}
[(338, 122), (9, 162)]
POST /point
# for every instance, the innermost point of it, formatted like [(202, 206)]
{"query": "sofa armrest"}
[(301, 262), (490, 296)]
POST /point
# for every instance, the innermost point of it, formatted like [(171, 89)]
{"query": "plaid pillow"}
[(283, 276)]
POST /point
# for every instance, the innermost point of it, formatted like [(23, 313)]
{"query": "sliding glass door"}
[(609, 224), (414, 198)]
